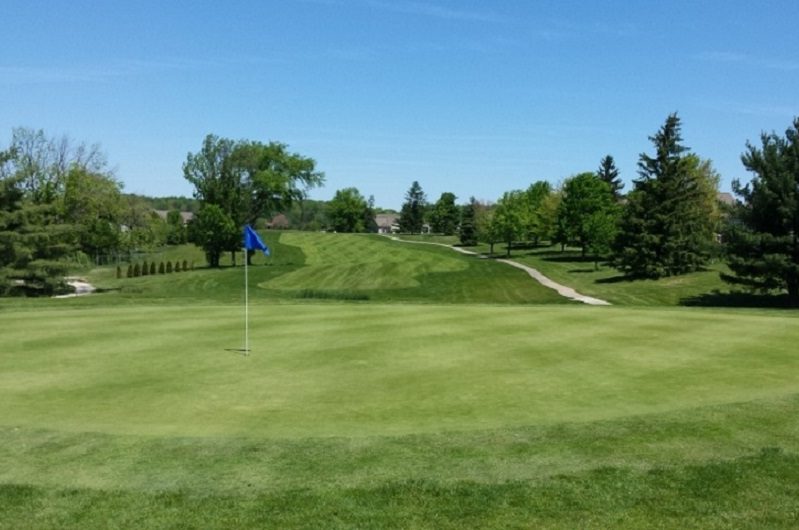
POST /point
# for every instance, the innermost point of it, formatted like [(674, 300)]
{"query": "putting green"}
[(319, 370)]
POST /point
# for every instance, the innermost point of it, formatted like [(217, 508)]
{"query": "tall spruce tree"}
[(763, 237), (610, 174), (412, 213), (468, 225), (667, 224)]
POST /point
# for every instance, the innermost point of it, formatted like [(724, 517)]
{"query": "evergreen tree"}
[(608, 173), (763, 237), (667, 225), (412, 213), (468, 224), (33, 243)]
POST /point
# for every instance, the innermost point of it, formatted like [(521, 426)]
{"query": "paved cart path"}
[(562, 290)]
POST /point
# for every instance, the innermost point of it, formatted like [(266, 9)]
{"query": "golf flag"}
[(253, 242)]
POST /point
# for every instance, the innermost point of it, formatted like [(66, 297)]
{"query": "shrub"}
[(119, 272), (152, 268), (136, 270), (145, 269), (161, 268), (168, 267), (186, 265), (130, 271), (177, 266)]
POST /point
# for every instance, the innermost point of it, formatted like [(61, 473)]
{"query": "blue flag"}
[(253, 242)]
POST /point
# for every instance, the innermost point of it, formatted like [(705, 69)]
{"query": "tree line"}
[(60, 204)]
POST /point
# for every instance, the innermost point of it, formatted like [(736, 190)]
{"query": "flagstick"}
[(246, 307)]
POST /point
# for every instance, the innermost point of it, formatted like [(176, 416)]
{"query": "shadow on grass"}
[(738, 299)]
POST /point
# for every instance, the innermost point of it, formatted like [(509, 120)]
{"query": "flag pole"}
[(246, 306)]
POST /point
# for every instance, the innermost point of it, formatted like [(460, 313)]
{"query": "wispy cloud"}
[(434, 10), (744, 59), (54, 74)]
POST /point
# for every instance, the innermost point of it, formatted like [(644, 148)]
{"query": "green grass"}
[(380, 415), (348, 267), (474, 402), (704, 288)]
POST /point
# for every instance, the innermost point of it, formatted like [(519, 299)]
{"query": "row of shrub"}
[(146, 269)]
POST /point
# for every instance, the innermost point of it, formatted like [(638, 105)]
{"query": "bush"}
[(119, 272), (145, 269), (177, 266), (186, 265), (168, 267), (152, 268), (136, 271), (161, 268), (130, 271)]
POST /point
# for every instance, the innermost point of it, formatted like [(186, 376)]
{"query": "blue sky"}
[(471, 97)]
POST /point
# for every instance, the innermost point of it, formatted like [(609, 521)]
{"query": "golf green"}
[(331, 369)]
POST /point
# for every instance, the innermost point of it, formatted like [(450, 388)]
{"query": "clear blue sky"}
[(472, 97)]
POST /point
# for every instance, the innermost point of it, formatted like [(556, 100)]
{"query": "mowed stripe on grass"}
[(360, 370)]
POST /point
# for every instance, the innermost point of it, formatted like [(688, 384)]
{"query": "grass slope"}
[(313, 265), (397, 416)]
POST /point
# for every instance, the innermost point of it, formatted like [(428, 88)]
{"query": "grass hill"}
[(360, 267), (390, 385)]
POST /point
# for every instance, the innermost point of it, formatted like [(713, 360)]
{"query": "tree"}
[(538, 217), (510, 217), (215, 232), (346, 211), (412, 213), (246, 180), (667, 224), (33, 243), (445, 215), (763, 237), (92, 202), (369, 216), (586, 212), (468, 224), (176, 229), (608, 173)]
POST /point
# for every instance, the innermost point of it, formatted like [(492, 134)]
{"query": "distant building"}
[(387, 223), (278, 222), (726, 198), (185, 216)]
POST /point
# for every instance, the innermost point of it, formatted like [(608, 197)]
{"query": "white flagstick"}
[(246, 307)]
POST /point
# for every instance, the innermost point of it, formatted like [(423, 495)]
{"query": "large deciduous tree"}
[(510, 218), (587, 213), (763, 236), (412, 213), (246, 180), (445, 215), (346, 211), (667, 227)]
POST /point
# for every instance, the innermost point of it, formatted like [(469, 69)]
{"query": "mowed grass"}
[(703, 288), (377, 415), (349, 267)]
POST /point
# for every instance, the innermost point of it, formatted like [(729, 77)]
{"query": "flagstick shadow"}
[(242, 351)]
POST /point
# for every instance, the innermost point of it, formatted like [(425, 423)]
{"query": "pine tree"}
[(763, 237), (412, 213), (33, 243), (607, 172), (468, 224), (667, 224)]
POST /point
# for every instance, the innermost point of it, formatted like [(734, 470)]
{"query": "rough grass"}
[(371, 415)]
